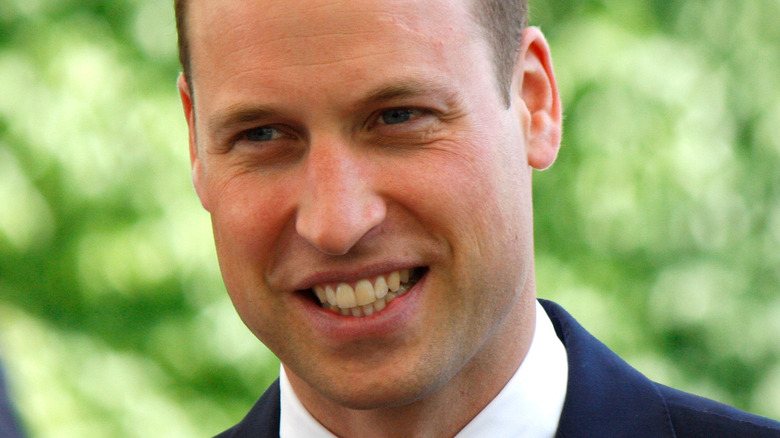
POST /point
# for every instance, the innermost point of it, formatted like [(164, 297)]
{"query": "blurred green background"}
[(659, 227)]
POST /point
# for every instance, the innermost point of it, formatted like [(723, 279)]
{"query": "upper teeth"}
[(365, 297)]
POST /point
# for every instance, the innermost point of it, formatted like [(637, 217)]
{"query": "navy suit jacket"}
[(605, 397), (9, 426)]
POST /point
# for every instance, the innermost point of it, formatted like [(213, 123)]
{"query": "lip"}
[(339, 329)]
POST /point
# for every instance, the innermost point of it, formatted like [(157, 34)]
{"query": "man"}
[(367, 167)]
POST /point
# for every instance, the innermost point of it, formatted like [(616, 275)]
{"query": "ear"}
[(535, 83), (195, 163)]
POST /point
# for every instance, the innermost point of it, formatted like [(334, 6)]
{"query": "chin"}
[(387, 393), (374, 399)]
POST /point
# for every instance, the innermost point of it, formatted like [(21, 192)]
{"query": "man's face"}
[(342, 142)]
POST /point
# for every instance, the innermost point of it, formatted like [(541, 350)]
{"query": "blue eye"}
[(397, 115), (262, 134)]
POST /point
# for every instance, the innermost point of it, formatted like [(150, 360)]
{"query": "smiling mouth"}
[(367, 296)]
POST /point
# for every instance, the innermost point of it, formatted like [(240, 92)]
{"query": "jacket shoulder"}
[(607, 397), (694, 416), (262, 420)]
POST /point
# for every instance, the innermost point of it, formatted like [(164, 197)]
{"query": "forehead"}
[(233, 40), (211, 19), (337, 12)]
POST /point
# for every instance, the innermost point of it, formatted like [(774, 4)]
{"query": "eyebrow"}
[(237, 115), (409, 88)]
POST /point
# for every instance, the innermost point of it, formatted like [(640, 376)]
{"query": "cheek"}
[(248, 217), (244, 230), (475, 196), (464, 186), (251, 204)]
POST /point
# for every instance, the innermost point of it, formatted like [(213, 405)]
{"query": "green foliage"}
[(113, 316), (659, 226)]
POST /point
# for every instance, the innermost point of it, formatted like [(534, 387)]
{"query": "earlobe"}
[(541, 106), (195, 163)]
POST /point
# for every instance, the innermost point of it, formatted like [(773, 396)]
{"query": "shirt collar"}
[(529, 405), (294, 420)]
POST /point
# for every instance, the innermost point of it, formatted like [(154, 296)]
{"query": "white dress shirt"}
[(529, 405)]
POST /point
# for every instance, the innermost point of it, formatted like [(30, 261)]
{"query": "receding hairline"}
[(502, 23)]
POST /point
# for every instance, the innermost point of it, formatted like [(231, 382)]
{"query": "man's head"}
[(501, 21), (340, 145)]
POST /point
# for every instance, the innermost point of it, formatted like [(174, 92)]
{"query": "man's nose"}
[(339, 205)]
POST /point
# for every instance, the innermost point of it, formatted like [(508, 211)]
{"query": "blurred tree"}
[(659, 224), (659, 227)]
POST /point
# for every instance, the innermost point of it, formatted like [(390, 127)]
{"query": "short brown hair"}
[(502, 21)]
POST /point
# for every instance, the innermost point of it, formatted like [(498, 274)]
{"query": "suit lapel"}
[(605, 396)]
